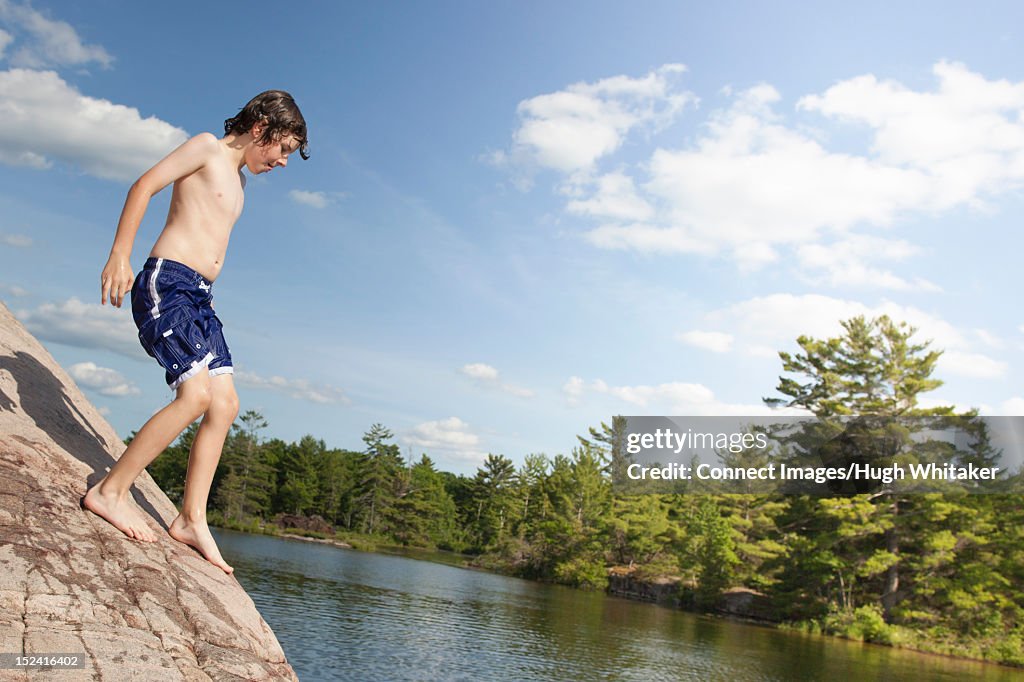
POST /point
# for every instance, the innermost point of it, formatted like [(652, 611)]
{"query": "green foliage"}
[(940, 572), (588, 574), (639, 529), (493, 496), (872, 369), (864, 624), (379, 481), (709, 548), (246, 479)]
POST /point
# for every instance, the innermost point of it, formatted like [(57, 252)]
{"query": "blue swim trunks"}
[(171, 304)]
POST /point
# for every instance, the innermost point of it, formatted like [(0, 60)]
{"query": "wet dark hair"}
[(279, 114)]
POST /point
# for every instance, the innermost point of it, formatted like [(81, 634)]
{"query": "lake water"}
[(346, 615)]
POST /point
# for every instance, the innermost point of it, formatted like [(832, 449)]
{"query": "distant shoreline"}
[(612, 590)]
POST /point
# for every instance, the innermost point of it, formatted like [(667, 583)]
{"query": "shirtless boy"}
[(171, 304)]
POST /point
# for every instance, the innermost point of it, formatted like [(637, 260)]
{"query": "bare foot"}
[(197, 534), (119, 512)]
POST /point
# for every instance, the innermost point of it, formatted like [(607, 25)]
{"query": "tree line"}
[(942, 572)]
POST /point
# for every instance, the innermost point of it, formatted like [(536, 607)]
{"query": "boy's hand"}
[(116, 280)]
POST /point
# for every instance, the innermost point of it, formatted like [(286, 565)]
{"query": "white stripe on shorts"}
[(155, 310)]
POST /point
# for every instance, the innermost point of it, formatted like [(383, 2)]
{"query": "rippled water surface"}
[(346, 615)]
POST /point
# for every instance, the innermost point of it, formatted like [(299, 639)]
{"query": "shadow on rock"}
[(45, 401)]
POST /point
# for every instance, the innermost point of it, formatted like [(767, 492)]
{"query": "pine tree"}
[(425, 514), (379, 472), (494, 499), (246, 480), (874, 374), (609, 443), (300, 467)]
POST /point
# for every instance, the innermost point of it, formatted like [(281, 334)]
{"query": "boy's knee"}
[(225, 405), (196, 393)]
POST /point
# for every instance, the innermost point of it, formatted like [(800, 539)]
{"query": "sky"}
[(522, 218)]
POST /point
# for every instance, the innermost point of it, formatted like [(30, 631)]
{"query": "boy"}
[(171, 304)]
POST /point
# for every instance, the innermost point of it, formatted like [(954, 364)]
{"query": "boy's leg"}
[(190, 525), (110, 497)]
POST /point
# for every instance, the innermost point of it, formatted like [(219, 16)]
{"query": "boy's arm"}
[(116, 279)]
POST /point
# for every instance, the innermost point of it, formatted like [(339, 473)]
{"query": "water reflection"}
[(345, 615)]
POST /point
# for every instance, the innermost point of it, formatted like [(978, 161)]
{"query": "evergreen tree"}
[(757, 540), (610, 444), (874, 373), (246, 480), (425, 513), (639, 530), (379, 472), (300, 468), (532, 501), (338, 480), (493, 496), (711, 550)]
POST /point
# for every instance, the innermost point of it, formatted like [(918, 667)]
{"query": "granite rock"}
[(72, 583)]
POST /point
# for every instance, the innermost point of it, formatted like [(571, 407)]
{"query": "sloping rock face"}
[(71, 583)]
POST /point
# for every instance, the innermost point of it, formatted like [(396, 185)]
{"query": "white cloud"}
[(775, 321), (46, 118), (780, 318), (517, 391), (843, 263), (675, 393), (311, 199), (85, 325), (967, 135), (103, 380), (486, 375), (18, 241), (571, 129), (28, 159), (752, 182), (45, 42), (929, 403), (615, 198), (300, 389), (479, 370), (673, 398), (574, 389), (1012, 407), (752, 179), (989, 339), (648, 238), (716, 342), (973, 365), (451, 436)]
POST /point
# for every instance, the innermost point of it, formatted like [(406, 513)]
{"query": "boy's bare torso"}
[(204, 208)]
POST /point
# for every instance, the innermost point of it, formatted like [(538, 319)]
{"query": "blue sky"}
[(523, 218)]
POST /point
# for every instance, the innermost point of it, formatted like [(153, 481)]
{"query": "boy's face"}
[(263, 158)]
